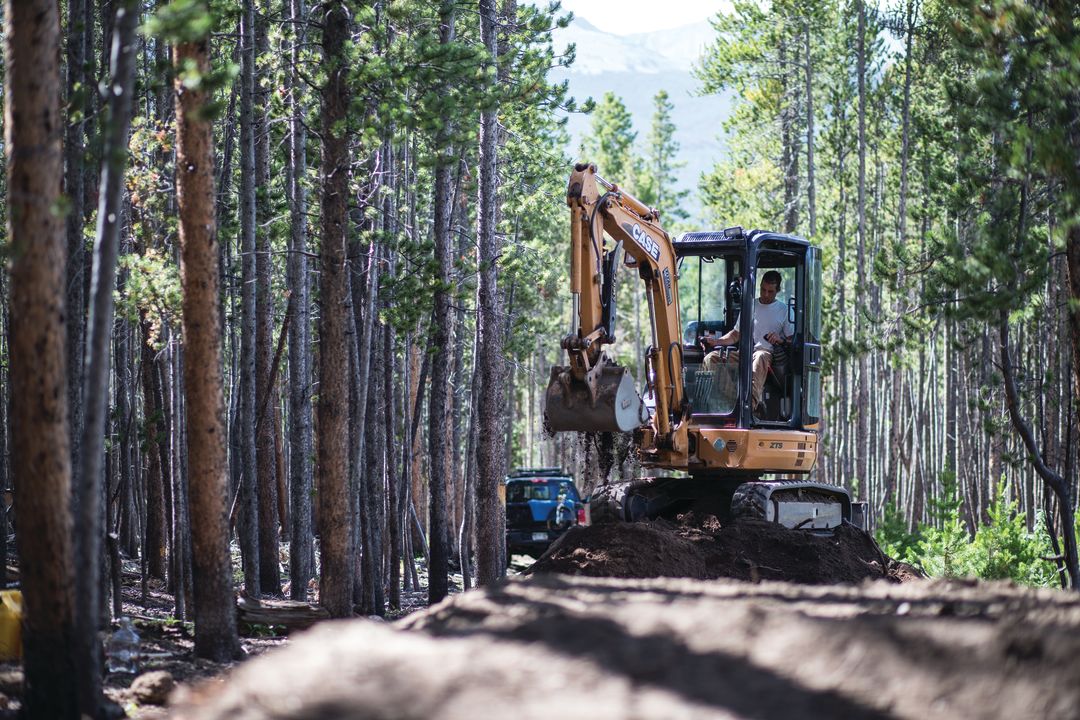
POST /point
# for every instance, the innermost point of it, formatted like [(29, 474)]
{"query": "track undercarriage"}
[(791, 503)]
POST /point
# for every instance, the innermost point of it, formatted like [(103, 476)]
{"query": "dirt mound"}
[(580, 648), (702, 549)]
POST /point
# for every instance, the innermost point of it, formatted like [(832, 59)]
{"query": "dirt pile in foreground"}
[(558, 646), (702, 549)]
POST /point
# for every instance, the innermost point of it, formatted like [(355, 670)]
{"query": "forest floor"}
[(659, 620)]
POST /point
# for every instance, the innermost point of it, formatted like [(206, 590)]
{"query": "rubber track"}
[(608, 502), (751, 499)]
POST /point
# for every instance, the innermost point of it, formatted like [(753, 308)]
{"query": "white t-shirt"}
[(771, 318)]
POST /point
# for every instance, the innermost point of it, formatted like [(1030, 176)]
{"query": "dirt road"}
[(556, 646)]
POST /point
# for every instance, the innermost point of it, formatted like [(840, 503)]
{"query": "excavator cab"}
[(719, 279)]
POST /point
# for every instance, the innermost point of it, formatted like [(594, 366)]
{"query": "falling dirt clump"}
[(698, 546)]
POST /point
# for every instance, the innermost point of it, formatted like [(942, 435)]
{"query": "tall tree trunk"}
[(1054, 481), (468, 521), (301, 568), (393, 491), (155, 489), (5, 427), (438, 445), (897, 408), (789, 153), (863, 382), (89, 521), (249, 484), (179, 529), (462, 427), (128, 523), (215, 616), (374, 474), (79, 89), (335, 503), (1072, 253), (39, 405), (491, 451), (266, 457)]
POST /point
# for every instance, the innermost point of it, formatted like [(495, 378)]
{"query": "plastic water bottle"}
[(122, 650)]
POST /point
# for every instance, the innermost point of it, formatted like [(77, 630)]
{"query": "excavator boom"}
[(592, 393)]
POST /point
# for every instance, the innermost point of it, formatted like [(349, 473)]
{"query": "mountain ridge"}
[(635, 67)]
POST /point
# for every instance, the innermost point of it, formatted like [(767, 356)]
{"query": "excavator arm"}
[(592, 393)]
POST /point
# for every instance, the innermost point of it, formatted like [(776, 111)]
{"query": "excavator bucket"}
[(568, 404)]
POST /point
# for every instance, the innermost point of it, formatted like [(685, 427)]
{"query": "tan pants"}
[(761, 365), (760, 368)]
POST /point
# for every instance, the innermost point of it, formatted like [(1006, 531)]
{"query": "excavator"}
[(699, 436)]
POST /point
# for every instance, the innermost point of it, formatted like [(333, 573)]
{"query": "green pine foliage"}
[(1001, 549), (892, 533), (656, 176), (610, 142)]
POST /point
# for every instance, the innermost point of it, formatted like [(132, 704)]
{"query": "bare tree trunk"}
[(249, 485), (266, 457), (5, 427), (79, 83), (1072, 253), (462, 428), (863, 382), (393, 493), (407, 448), (301, 568), (374, 474), (789, 154), (89, 521), (39, 404), (214, 603), (127, 522), (178, 518), (491, 452), (155, 506), (335, 503), (1054, 481), (438, 447), (468, 522)]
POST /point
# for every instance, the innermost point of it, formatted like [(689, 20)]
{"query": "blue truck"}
[(541, 504)]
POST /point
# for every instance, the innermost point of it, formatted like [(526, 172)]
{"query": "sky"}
[(625, 17)]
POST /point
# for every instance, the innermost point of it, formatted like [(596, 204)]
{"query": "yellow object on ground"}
[(11, 615)]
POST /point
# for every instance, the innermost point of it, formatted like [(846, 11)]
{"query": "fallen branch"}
[(289, 613)]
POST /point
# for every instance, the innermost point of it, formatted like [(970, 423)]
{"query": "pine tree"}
[(609, 144), (657, 181)]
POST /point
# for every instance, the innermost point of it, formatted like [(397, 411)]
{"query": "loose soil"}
[(699, 547), (568, 647), (685, 619), (691, 621)]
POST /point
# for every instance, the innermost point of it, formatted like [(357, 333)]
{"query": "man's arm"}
[(729, 338)]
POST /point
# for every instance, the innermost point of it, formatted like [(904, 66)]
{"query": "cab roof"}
[(703, 241)]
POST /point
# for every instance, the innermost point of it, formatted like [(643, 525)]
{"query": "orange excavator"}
[(701, 432)]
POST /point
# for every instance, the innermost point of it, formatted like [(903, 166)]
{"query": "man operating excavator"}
[(771, 328)]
